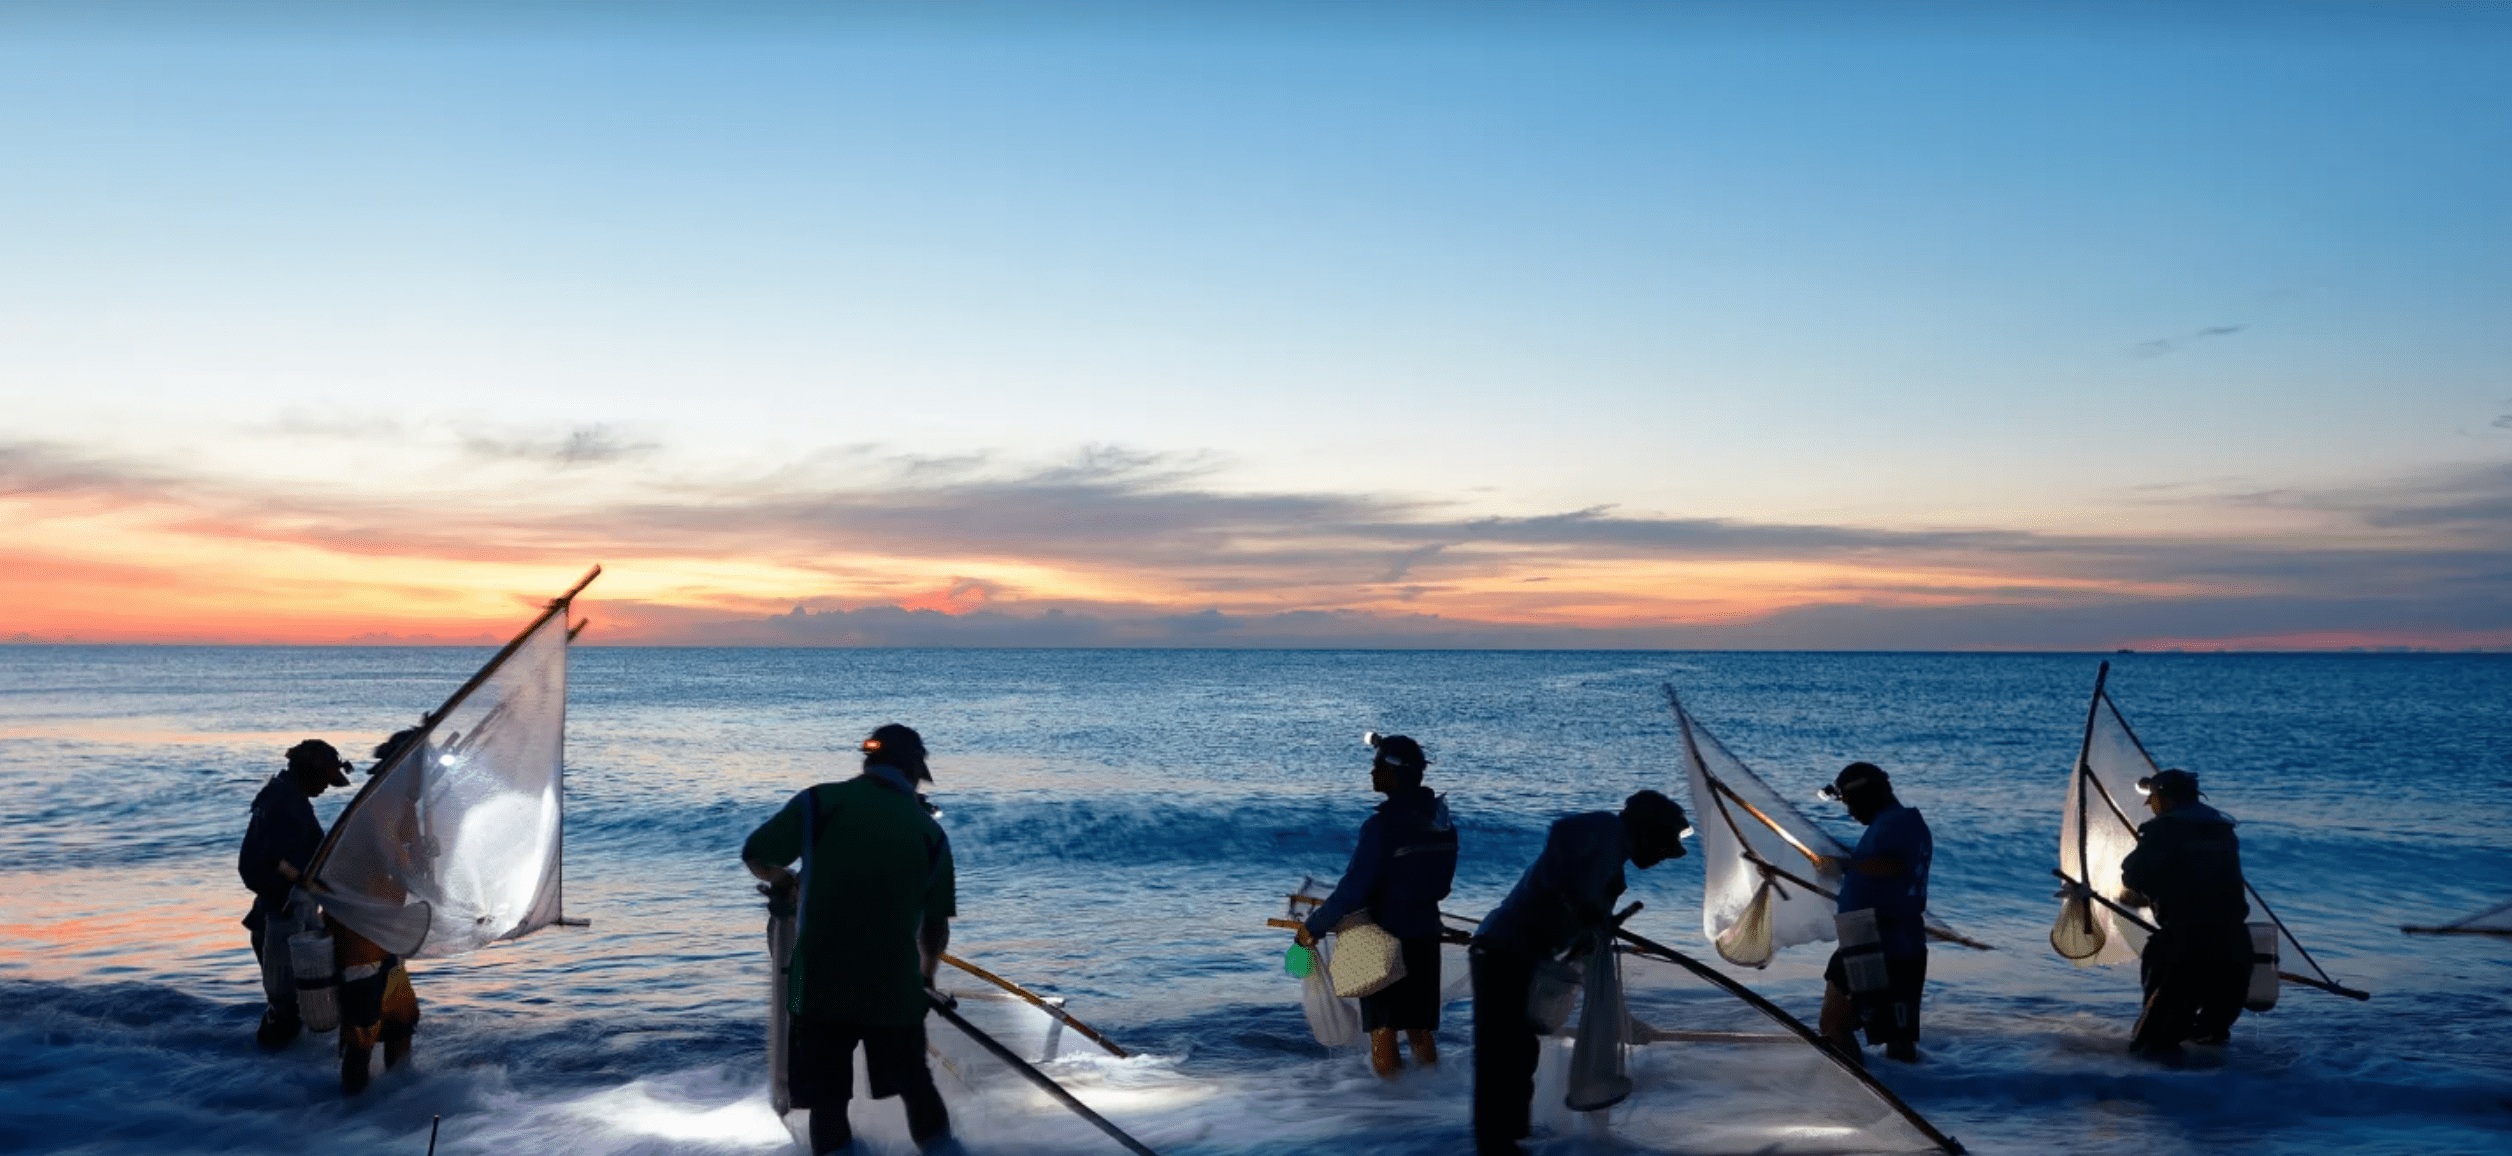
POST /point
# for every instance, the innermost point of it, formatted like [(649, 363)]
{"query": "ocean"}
[(1125, 821)]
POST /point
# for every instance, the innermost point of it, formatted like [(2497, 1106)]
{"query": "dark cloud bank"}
[(2429, 558)]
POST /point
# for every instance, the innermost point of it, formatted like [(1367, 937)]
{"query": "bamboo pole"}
[(1798, 1029), (1038, 1002), (1046, 1083), (375, 776)]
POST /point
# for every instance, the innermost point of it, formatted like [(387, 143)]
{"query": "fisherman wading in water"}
[(279, 844), (1875, 979), (2196, 967), (1566, 896), (878, 895), (1400, 871)]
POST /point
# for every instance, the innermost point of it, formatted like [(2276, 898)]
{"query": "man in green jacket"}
[(877, 897)]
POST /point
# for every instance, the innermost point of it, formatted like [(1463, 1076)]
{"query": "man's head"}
[(893, 745), (1864, 788), (1398, 765), (317, 766), (1655, 826), (2165, 790), (385, 750)]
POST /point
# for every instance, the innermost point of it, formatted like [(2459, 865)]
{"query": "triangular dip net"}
[(1761, 890), (2096, 833), (455, 843), (1710, 1073)]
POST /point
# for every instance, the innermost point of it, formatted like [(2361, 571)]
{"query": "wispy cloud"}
[(583, 445), (2163, 346)]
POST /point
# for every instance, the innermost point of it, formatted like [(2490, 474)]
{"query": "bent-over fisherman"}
[(2196, 968), (1875, 984), (878, 895), (1401, 869), (1566, 896), (279, 843)]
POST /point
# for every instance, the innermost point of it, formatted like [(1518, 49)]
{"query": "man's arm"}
[(932, 940), (1352, 890), (776, 843)]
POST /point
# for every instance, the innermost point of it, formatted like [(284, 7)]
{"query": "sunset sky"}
[(1799, 325)]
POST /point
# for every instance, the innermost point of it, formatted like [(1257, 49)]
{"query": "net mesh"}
[(1744, 849), (456, 844), (2096, 834), (1709, 1073)]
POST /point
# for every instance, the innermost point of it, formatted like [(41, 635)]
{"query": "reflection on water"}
[(1124, 822)]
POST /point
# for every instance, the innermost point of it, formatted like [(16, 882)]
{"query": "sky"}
[(1798, 325)]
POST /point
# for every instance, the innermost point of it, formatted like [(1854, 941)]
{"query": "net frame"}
[(548, 908), (2096, 868)]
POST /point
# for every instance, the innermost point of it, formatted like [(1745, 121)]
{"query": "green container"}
[(1299, 961)]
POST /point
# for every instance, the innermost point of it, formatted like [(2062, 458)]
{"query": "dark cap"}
[(896, 745), (385, 750), (1658, 817), (1397, 751), (1854, 778), (315, 755), (2177, 785)]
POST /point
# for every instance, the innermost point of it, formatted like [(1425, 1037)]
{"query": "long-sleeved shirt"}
[(1572, 886), (1900, 901), (283, 827), (2188, 862), (1406, 860)]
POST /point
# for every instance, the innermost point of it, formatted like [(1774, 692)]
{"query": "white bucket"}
[(318, 980), (2264, 983)]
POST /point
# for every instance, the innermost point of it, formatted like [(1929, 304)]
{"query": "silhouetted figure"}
[(878, 894), (1565, 899), (1876, 976), (279, 844), (1402, 868), (2196, 967)]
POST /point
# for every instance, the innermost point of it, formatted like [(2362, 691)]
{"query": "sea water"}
[(1124, 822)]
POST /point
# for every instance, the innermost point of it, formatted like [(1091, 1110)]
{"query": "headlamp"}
[(1828, 793)]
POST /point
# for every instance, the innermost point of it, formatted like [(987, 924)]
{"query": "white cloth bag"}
[(1335, 1021)]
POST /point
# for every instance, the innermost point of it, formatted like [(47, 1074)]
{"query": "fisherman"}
[(1564, 901), (279, 843), (2187, 866), (1876, 983), (377, 1003), (1401, 869), (878, 895)]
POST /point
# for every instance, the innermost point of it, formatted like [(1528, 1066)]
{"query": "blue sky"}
[(2171, 274)]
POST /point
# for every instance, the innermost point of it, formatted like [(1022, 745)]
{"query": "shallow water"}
[(1124, 822)]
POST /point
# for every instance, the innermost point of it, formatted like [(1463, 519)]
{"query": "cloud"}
[(582, 445), (1149, 534), (2162, 346)]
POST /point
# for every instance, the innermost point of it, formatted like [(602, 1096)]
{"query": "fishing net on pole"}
[(1704, 1072), (455, 843), (1761, 890), (2096, 833)]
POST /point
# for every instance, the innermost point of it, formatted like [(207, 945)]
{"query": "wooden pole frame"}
[(376, 775)]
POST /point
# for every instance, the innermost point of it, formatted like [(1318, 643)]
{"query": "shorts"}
[(820, 1064), (1890, 1016), (1411, 1002)]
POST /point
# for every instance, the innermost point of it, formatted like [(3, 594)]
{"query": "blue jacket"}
[(283, 827), (1401, 870), (1571, 887)]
